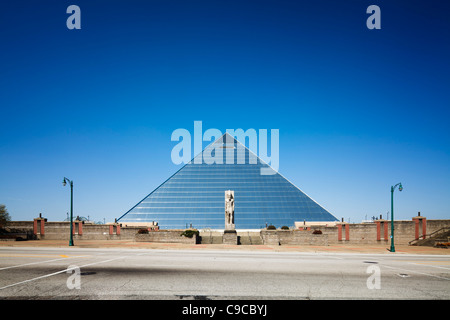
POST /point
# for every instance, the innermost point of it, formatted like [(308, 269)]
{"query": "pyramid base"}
[(230, 237)]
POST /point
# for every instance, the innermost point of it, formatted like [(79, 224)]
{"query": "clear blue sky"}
[(358, 110)]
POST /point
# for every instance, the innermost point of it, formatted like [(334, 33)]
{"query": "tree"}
[(4, 215)]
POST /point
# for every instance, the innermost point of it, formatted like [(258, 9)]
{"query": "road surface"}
[(94, 273)]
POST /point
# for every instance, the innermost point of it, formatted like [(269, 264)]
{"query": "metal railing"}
[(430, 235)]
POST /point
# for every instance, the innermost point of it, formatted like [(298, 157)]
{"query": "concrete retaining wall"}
[(61, 230), (164, 236), (342, 233), (293, 237), (355, 233)]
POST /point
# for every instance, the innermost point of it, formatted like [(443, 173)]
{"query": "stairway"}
[(431, 240), (243, 239)]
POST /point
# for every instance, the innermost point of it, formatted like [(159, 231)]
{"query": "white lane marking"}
[(58, 272), (38, 262), (411, 271), (428, 265), (46, 261)]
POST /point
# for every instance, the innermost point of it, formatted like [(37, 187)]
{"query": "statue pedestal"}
[(230, 227), (230, 237)]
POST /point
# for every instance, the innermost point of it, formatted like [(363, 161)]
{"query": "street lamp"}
[(400, 188), (71, 209)]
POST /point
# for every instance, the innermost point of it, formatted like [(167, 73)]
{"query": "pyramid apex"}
[(226, 138)]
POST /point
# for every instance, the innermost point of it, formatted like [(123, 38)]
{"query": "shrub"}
[(143, 231), (271, 227), (284, 228), (4, 216), (189, 233), (317, 232)]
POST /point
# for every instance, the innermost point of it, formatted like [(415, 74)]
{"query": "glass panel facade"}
[(195, 195)]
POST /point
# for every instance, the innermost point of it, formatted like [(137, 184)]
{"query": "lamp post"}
[(71, 209), (400, 188)]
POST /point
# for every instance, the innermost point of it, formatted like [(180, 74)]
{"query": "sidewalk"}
[(368, 249)]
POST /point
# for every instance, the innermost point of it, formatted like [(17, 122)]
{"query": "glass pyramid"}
[(195, 195)]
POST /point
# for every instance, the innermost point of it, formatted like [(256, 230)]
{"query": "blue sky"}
[(358, 110)]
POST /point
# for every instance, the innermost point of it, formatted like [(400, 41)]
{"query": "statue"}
[(229, 210)]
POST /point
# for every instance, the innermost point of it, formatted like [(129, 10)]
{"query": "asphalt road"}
[(88, 273)]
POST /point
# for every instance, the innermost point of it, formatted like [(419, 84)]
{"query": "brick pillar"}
[(416, 236), (386, 232), (424, 227), (39, 226), (339, 232), (80, 228), (111, 229), (417, 221), (118, 230), (347, 232), (378, 230), (382, 224)]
